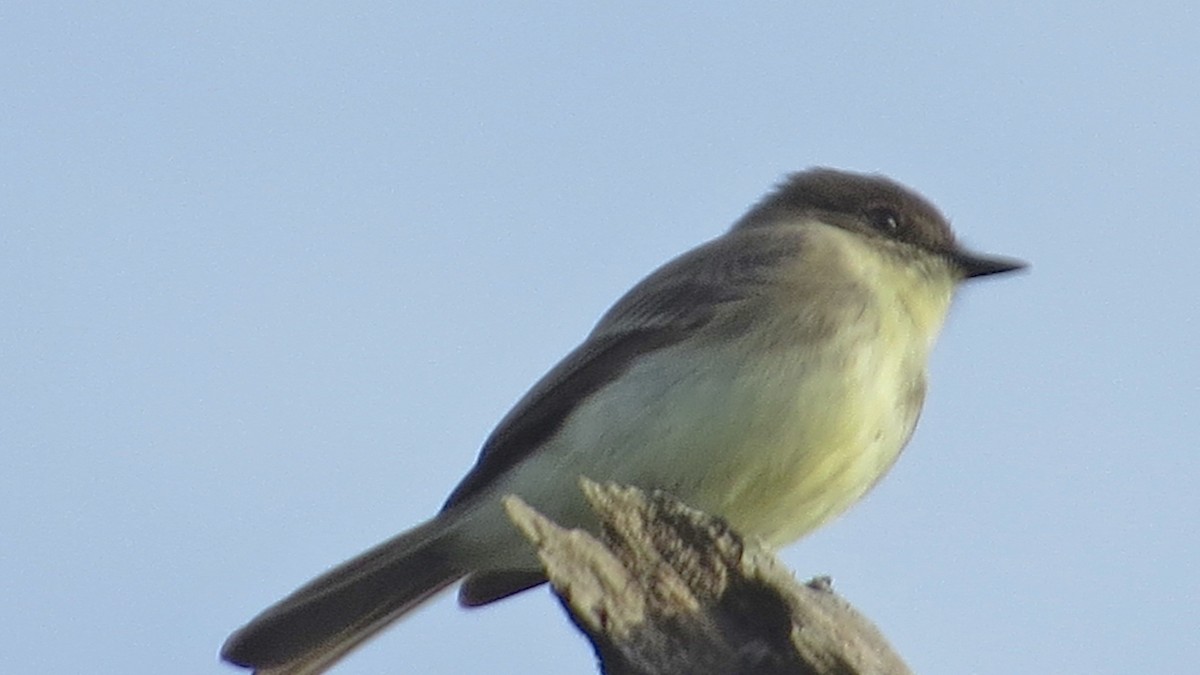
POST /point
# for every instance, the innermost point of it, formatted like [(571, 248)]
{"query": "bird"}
[(770, 376)]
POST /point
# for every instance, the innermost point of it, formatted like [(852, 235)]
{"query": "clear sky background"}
[(270, 272)]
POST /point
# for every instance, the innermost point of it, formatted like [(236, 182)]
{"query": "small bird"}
[(770, 376)]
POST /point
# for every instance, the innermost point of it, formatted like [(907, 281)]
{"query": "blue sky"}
[(270, 272)]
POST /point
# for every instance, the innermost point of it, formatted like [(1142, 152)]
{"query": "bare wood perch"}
[(673, 591)]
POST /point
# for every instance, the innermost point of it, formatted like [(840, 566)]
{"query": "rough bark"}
[(668, 590)]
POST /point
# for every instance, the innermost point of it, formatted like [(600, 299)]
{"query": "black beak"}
[(976, 265)]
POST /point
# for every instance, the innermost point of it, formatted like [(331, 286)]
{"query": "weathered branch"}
[(673, 591)]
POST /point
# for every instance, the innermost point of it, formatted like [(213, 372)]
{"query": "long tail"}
[(309, 630)]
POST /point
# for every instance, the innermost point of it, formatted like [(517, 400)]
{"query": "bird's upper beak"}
[(977, 265)]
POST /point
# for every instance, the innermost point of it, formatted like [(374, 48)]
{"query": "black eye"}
[(884, 219)]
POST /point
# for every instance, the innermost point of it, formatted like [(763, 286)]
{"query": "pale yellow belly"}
[(814, 447), (777, 444)]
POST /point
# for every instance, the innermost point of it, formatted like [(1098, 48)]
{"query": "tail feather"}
[(316, 625)]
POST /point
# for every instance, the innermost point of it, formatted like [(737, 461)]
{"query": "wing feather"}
[(680, 298)]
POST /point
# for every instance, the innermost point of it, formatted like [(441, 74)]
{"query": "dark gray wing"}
[(664, 309)]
